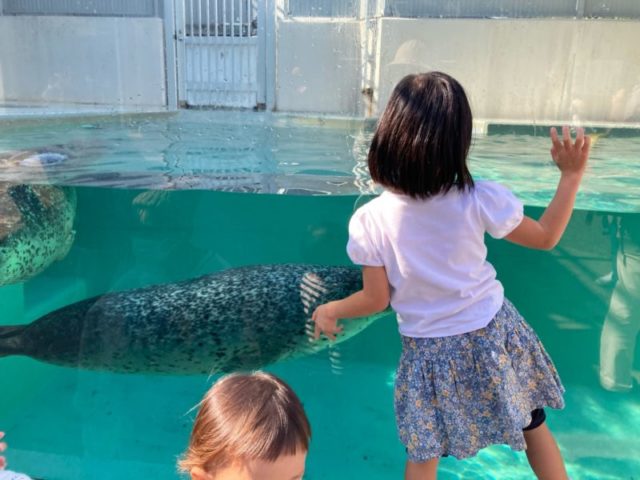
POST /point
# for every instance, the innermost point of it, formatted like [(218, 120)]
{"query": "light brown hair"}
[(253, 416)]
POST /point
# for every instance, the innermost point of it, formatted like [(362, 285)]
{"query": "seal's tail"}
[(11, 342)]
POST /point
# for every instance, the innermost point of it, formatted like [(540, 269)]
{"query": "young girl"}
[(249, 427), (6, 474), (472, 372)]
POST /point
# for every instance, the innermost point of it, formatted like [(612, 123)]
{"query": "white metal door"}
[(218, 53)]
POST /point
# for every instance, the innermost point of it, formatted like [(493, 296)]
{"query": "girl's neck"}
[(394, 191)]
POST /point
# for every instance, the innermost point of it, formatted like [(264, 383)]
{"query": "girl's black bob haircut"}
[(422, 140)]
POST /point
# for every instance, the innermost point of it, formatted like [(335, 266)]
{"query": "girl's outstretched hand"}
[(326, 322), (571, 158), (3, 447)]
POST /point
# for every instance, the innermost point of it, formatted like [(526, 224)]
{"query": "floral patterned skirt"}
[(456, 395)]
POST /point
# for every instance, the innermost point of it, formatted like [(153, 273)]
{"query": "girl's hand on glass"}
[(571, 158), (326, 322), (3, 447)]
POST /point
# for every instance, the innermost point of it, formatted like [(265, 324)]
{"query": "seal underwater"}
[(36, 228), (241, 318)]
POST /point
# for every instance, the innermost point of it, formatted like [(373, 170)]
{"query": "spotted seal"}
[(36, 228), (241, 318)]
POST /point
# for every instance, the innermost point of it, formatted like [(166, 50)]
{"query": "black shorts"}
[(537, 418)]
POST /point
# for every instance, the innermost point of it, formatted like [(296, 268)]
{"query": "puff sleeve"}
[(361, 247), (500, 211)]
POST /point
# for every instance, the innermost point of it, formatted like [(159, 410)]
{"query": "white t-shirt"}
[(435, 257), (9, 475)]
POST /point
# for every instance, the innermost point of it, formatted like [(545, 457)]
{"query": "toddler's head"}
[(249, 426), (422, 140)]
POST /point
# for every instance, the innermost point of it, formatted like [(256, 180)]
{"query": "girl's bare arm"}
[(571, 159), (373, 298)]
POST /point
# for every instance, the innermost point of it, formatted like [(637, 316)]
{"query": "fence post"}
[(369, 54), (170, 60), (181, 53), (273, 13)]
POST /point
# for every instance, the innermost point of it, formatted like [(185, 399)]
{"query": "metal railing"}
[(465, 8), (99, 8), (220, 18)]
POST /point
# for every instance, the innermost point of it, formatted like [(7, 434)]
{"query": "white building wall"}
[(318, 67), (518, 70), (521, 70), (91, 60)]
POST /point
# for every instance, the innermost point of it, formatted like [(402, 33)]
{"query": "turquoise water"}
[(284, 154), (67, 423)]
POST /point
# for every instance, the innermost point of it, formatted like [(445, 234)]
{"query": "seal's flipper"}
[(335, 359), (11, 340)]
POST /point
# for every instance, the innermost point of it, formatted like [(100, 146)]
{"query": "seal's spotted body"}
[(36, 228), (241, 318)]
